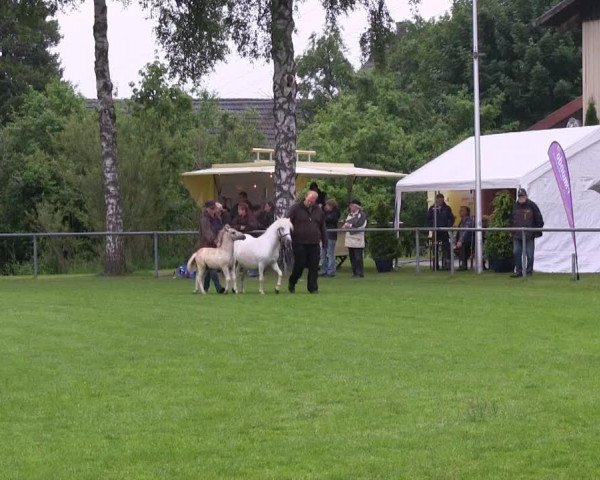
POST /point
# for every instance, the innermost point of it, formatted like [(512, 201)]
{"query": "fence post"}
[(523, 254), (35, 256), (451, 241), (418, 248), (155, 235)]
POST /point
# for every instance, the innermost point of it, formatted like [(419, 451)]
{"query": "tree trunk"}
[(115, 258), (284, 108)]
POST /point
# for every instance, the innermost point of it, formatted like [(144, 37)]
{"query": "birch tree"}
[(115, 257), (196, 34)]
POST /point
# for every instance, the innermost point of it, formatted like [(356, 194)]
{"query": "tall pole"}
[(478, 209)]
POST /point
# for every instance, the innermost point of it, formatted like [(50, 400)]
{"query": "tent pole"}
[(476, 115)]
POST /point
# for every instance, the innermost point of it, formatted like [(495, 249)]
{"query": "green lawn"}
[(387, 377)]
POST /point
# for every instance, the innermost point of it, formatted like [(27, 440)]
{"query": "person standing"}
[(210, 225), (440, 215), (355, 241), (525, 213), (223, 214), (322, 196), (309, 231), (266, 216), (464, 239), (332, 217)]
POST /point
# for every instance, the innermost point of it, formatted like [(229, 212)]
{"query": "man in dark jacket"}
[(309, 231), (525, 213), (440, 215)]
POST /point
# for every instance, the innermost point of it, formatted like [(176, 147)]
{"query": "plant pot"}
[(384, 264), (502, 264)]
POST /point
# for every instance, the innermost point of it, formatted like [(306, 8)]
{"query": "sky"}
[(132, 45)]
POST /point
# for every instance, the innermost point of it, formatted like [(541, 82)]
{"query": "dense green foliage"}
[(591, 115), (50, 169), (27, 34), (138, 378), (382, 245), (418, 102), (323, 72), (499, 244)]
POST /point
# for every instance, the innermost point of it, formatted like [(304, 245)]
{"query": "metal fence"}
[(422, 239)]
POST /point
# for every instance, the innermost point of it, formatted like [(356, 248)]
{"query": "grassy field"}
[(390, 376)]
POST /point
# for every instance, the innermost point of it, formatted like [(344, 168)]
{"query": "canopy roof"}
[(508, 160), (228, 179)]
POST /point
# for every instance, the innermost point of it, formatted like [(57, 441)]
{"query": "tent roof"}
[(508, 160), (307, 169)]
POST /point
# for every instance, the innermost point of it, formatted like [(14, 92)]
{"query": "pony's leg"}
[(227, 275), (275, 267), (200, 279), (243, 279), (196, 282), (234, 272), (261, 278)]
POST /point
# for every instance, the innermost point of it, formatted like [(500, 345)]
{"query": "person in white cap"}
[(355, 241)]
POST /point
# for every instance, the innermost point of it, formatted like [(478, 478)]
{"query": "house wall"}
[(591, 62)]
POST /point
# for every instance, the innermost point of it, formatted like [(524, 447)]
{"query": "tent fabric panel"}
[(201, 188), (507, 159), (553, 250)]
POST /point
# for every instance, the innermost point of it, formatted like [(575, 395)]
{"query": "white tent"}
[(520, 159)]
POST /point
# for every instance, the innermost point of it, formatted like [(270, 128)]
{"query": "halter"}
[(282, 236)]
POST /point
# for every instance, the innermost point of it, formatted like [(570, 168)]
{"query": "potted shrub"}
[(499, 245), (382, 246)]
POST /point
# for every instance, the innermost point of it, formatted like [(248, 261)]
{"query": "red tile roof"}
[(559, 118)]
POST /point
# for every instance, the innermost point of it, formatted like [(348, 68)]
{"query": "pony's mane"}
[(279, 223), (219, 239)]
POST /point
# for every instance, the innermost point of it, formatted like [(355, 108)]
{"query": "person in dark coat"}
[(322, 196), (266, 216), (244, 221), (440, 215), (309, 233), (525, 213), (332, 217), (242, 198), (210, 225), (464, 238)]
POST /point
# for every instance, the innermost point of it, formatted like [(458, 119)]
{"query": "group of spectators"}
[(525, 214), (313, 242)]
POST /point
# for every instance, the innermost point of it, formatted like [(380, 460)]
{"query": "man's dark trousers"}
[(306, 256)]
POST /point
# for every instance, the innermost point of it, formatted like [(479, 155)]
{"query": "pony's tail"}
[(191, 264)]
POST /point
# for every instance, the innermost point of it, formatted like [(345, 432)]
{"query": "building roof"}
[(263, 108), (559, 118), (265, 122), (569, 13)]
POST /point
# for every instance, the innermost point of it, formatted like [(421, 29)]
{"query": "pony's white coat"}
[(262, 252), (220, 258)]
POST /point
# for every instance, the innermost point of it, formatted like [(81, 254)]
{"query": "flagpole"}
[(477, 132)]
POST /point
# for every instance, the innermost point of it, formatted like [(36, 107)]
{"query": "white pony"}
[(261, 252), (217, 258)]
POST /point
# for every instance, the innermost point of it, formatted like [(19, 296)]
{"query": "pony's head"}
[(230, 233), (284, 228)]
